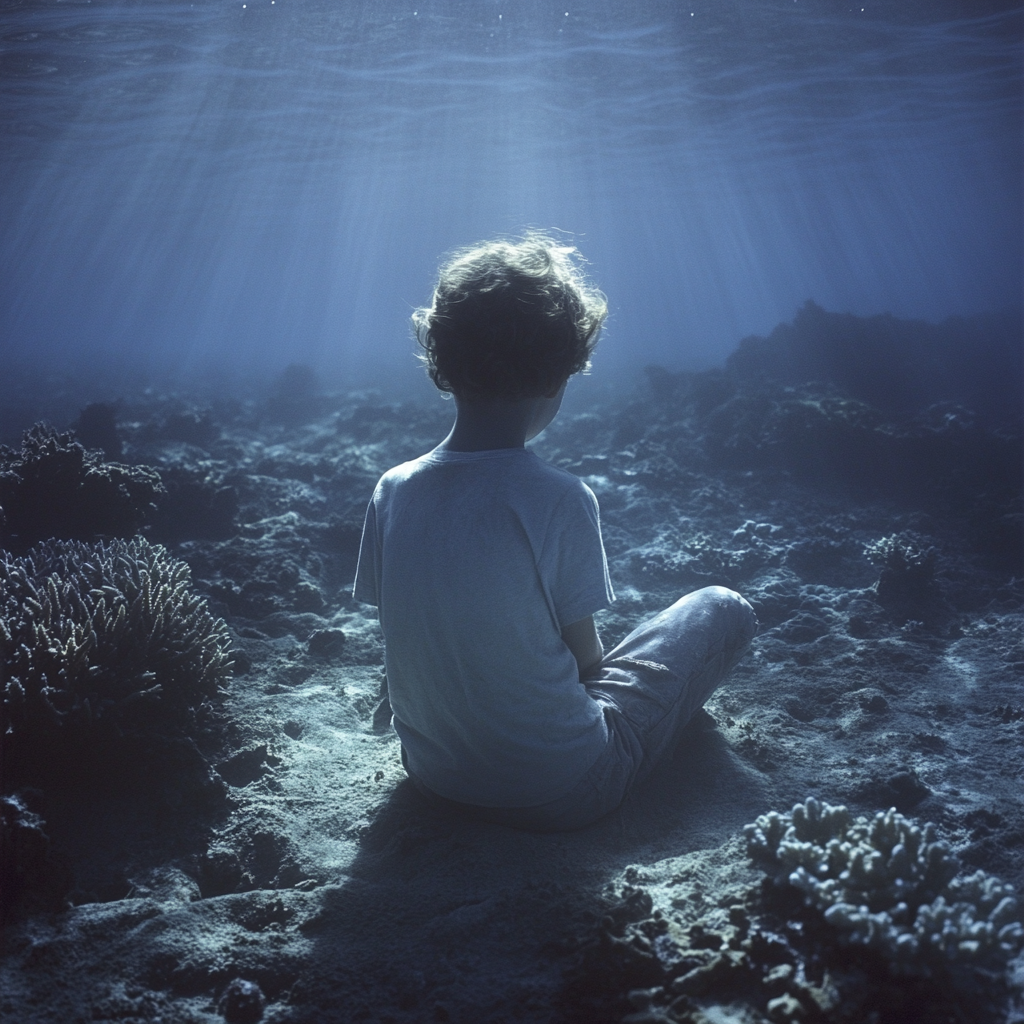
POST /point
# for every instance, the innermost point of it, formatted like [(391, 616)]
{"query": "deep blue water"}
[(263, 182)]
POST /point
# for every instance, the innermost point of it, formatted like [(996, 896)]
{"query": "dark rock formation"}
[(54, 487), (96, 427)]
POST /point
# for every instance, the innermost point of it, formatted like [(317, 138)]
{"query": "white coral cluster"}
[(886, 883)]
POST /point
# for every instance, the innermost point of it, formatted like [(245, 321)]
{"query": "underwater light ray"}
[(278, 184)]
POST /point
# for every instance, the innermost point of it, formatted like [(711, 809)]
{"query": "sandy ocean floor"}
[(302, 860)]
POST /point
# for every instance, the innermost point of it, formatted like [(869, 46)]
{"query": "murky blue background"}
[(187, 184)]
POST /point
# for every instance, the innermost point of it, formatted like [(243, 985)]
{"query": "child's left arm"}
[(581, 638)]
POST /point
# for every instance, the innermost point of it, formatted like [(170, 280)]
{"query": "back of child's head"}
[(510, 319)]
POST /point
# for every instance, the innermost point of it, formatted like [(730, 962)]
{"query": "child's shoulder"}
[(520, 466), (558, 478)]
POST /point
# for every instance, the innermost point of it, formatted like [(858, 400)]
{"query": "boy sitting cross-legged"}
[(486, 565)]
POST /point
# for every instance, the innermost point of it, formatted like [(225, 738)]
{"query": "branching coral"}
[(861, 919), (53, 487), (907, 562), (888, 884), (107, 636)]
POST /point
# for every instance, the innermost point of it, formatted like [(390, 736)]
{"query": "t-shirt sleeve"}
[(574, 563), (367, 584)]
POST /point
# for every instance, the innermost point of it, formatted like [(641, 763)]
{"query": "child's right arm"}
[(581, 638)]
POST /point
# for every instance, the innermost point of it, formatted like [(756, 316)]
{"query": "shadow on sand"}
[(446, 919)]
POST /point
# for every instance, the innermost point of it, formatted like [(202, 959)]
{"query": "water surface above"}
[(274, 180)]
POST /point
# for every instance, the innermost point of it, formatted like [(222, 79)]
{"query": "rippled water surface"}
[(275, 180)]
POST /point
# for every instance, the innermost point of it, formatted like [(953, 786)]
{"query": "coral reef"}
[(321, 854), (890, 885), (859, 919), (102, 638), (53, 487)]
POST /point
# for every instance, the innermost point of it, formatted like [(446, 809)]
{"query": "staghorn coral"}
[(106, 637), (53, 487), (887, 884)]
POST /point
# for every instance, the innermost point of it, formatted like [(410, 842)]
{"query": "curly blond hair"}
[(511, 318)]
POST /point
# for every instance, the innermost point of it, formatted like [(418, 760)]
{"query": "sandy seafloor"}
[(323, 877)]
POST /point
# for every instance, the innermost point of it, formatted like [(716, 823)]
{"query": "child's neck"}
[(487, 424)]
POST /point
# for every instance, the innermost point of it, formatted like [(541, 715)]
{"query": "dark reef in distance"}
[(930, 416), (900, 367)]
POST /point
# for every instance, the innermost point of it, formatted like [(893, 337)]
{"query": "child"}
[(486, 565)]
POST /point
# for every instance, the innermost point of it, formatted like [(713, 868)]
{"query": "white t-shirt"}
[(477, 561)]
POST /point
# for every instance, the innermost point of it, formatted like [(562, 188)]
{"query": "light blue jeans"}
[(649, 688)]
